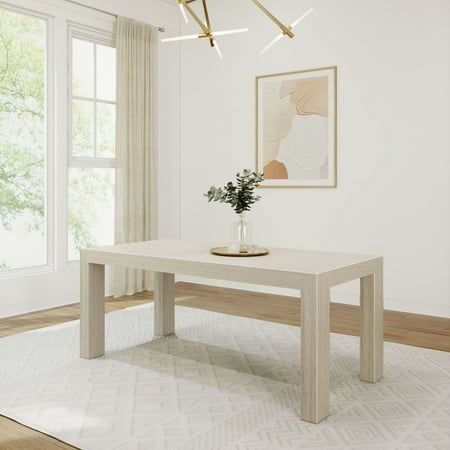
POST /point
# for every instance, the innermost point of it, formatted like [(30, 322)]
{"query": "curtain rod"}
[(102, 11)]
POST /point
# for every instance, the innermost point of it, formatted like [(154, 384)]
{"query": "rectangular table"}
[(314, 273)]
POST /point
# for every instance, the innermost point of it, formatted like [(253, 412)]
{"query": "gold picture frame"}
[(296, 128)]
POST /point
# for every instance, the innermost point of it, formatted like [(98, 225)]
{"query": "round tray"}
[(223, 251)]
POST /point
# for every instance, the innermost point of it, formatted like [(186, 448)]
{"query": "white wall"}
[(20, 294), (393, 137)]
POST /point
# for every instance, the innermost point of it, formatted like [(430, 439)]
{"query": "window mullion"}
[(95, 100), (91, 99)]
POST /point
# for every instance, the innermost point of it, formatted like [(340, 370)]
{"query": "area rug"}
[(223, 382)]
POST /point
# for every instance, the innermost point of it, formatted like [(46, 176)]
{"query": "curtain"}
[(135, 211)]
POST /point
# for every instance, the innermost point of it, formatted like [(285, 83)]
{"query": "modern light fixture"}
[(206, 31), (205, 26)]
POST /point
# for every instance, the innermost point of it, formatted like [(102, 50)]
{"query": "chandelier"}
[(206, 31)]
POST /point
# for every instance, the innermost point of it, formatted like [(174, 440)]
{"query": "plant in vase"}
[(241, 197)]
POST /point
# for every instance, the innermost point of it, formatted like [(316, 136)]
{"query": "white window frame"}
[(49, 210), (95, 36)]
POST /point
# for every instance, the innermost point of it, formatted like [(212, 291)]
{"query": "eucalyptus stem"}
[(241, 196)]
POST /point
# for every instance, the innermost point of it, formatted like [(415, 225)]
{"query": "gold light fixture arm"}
[(208, 23), (287, 30), (204, 28)]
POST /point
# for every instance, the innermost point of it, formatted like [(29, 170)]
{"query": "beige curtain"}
[(135, 146)]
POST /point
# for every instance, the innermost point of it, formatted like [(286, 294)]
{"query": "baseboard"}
[(19, 308)]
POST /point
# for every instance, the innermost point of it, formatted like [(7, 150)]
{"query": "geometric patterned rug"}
[(223, 382)]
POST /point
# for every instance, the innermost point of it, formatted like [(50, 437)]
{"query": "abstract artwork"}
[(296, 128)]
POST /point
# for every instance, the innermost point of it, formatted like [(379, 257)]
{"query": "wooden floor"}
[(404, 328)]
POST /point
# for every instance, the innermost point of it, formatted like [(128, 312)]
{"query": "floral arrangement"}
[(240, 196)]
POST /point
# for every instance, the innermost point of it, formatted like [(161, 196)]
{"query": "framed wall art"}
[(296, 118)]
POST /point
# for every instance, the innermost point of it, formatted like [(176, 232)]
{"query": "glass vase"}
[(241, 236)]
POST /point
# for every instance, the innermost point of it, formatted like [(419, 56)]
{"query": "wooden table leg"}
[(164, 303), (371, 342), (92, 310), (315, 351)]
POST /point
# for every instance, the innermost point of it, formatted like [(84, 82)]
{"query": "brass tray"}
[(223, 251)]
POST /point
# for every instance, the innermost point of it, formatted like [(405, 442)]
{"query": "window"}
[(24, 147), (92, 143), (93, 99)]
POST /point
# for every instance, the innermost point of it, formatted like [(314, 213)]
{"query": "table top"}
[(279, 259)]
